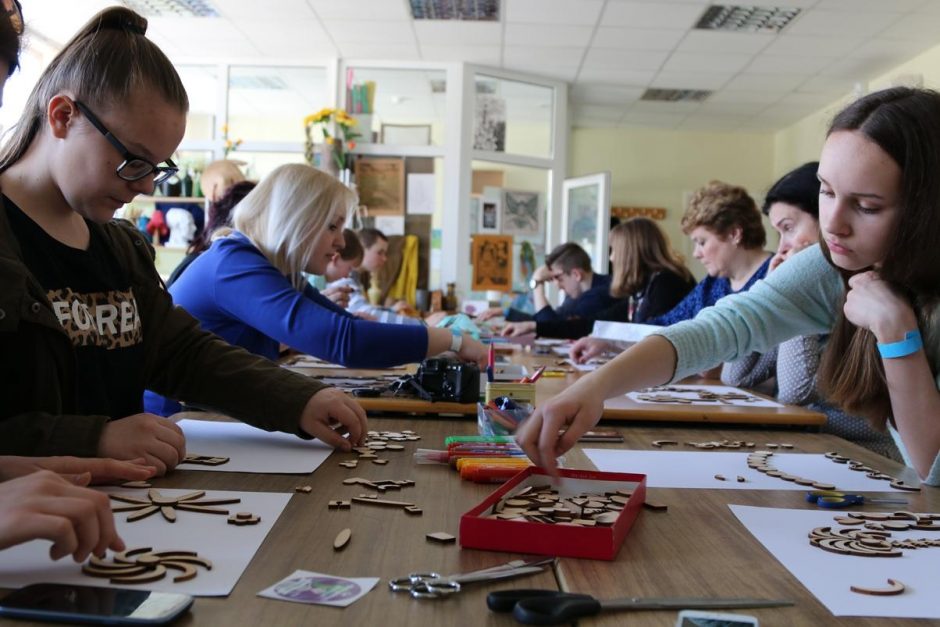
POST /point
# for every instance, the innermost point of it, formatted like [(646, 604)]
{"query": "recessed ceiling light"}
[(172, 8), (676, 95), (746, 19), (466, 10)]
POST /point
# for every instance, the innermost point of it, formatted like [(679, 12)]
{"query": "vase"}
[(327, 158)]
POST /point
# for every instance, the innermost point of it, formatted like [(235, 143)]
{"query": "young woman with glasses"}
[(85, 325), (873, 283)]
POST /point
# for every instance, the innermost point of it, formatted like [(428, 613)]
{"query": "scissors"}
[(432, 585), (837, 500), (550, 607)]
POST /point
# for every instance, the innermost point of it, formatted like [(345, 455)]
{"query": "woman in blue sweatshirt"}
[(248, 288)]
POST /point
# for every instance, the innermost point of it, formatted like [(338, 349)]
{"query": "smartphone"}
[(69, 603), (696, 618)]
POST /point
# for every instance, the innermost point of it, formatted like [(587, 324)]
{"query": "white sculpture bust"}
[(182, 227)]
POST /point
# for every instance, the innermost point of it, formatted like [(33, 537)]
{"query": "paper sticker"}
[(305, 586)]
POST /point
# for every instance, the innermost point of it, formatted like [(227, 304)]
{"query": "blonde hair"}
[(287, 210), (103, 65), (640, 250), (721, 208)]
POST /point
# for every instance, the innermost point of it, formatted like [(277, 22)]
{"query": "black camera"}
[(448, 380)]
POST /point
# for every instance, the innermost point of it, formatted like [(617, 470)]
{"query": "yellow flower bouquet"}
[(338, 129)]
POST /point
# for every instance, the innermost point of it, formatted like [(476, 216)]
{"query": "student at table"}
[(873, 283), (374, 244), (725, 227), (248, 287), (649, 279), (792, 204), (586, 292), (85, 325)]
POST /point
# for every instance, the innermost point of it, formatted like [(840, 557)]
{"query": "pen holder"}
[(502, 422), (521, 392)]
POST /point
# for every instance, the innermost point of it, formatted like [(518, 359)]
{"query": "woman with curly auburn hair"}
[(725, 227), (873, 283)]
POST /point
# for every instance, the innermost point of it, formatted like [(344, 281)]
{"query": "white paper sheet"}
[(230, 548), (697, 469), (421, 194), (755, 401), (828, 576), (590, 366), (629, 332), (306, 361), (250, 449), (390, 225)]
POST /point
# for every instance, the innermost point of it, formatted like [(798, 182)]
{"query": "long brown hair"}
[(905, 123), (102, 65), (640, 249)]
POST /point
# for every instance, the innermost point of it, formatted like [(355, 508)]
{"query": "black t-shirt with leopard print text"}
[(92, 296)]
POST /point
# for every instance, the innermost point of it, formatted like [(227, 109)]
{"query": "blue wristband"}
[(911, 343)]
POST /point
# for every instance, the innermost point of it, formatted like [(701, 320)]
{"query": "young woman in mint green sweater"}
[(873, 283)]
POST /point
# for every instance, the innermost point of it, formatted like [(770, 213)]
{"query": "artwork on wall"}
[(381, 185), (489, 124), (585, 215), (492, 262), (489, 215), (406, 134), (521, 213)]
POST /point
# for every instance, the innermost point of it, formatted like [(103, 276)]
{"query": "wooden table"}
[(696, 548), (620, 409)]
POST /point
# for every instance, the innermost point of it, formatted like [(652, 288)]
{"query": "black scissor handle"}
[(555, 611), (505, 600)]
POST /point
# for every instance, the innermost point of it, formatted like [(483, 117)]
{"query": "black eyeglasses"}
[(133, 168)]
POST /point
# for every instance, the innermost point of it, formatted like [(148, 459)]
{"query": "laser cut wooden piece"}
[(380, 462), (143, 565), (441, 537), (168, 505), (307, 489), (136, 484), (662, 443), (342, 539), (349, 464), (898, 484), (204, 460), (895, 587), (244, 518)]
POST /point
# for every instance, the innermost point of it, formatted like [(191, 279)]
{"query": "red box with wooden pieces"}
[(586, 514)]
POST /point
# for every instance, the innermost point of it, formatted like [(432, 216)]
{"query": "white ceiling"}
[(609, 50)]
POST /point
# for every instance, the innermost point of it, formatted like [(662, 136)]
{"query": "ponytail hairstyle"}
[(905, 123), (106, 62), (639, 250), (286, 210)]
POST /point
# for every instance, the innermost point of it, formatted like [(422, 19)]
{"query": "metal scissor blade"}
[(689, 603), (495, 575), (521, 567)]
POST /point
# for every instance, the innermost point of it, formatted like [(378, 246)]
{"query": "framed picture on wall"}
[(492, 262), (521, 213), (381, 185), (489, 215), (585, 216)]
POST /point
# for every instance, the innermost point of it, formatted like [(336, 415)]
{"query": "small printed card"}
[(305, 586)]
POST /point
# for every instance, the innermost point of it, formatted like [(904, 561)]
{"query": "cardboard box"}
[(522, 392), (479, 532)]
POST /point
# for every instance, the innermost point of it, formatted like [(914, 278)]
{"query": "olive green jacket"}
[(37, 363)]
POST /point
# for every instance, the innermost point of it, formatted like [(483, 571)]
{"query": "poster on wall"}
[(521, 213), (489, 124), (585, 215), (491, 257), (381, 185), (489, 215)]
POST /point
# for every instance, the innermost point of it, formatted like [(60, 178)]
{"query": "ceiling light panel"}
[(676, 95), (465, 10), (172, 8), (746, 19)]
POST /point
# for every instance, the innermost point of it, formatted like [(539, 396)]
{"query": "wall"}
[(803, 141), (656, 168)]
